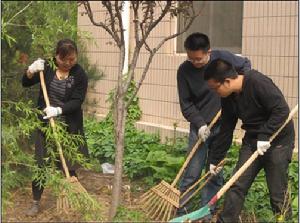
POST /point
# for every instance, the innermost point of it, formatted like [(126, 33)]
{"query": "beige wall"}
[(270, 38)]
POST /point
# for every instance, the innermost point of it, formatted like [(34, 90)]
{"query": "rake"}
[(161, 201), (207, 176), (204, 211), (62, 202)]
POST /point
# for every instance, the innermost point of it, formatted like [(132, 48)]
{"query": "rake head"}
[(62, 202), (160, 202), (76, 185)]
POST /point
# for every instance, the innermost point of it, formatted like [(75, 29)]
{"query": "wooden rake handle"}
[(191, 154), (243, 168), (198, 182), (52, 123), (201, 179)]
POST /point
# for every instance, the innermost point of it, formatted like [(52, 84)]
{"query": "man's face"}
[(198, 58), (222, 89)]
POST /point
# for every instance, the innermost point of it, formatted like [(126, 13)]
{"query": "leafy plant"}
[(145, 156), (15, 161), (126, 215), (20, 120)]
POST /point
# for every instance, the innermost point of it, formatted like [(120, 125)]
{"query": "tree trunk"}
[(120, 120), (119, 115)]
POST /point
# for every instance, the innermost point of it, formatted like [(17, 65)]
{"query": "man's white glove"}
[(36, 66), (52, 112), (213, 170), (262, 147), (203, 132)]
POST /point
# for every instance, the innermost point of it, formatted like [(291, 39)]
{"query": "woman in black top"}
[(66, 86)]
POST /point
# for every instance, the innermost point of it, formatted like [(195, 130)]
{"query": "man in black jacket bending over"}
[(199, 105), (260, 105)]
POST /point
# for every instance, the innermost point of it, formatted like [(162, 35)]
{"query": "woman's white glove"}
[(213, 170), (36, 66), (52, 112), (262, 147), (203, 132)]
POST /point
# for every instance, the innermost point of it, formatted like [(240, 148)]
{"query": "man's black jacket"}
[(198, 103), (262, 109)]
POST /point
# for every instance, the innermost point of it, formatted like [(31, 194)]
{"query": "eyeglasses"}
[(195, 61)]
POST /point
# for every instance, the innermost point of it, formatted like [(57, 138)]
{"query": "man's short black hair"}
[(197, 41), (219, 70)]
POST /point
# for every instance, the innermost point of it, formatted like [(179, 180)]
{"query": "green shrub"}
[(126, 215), (144, 155)]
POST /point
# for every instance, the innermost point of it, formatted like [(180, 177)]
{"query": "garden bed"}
[(97, 184)]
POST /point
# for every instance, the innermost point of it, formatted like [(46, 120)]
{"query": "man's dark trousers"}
[(275, 162)]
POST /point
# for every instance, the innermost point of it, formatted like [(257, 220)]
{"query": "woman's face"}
[(66, 63)]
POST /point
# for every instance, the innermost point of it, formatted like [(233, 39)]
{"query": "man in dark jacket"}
[(199, 105), (257, 101)]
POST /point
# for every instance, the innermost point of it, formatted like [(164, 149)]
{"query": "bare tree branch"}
[(145, 30), (119, 17), (160, 5), (134, 59), (141, 80), (162, 15), (135, 6), (154, 50), (100, 24), (143, 40), (132, 68), (146, 13), (108, 6)]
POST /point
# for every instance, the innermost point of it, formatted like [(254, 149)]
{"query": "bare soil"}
[(97, 184)]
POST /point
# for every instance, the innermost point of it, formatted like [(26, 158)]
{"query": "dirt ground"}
[(96, 183)]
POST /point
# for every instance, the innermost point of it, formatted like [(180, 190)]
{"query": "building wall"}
[(269, 40)]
